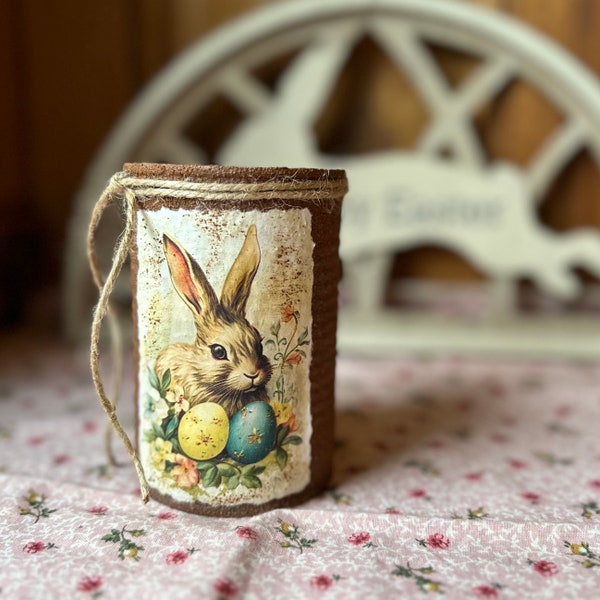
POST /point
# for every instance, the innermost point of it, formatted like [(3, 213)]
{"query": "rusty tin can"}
[(235, 309)]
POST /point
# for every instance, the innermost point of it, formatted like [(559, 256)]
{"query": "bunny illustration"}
[(225, 364)]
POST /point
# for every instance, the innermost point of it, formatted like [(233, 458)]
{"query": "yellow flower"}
[(161, 452), (282, 410), (131, 552), (284, 527), (577, 549), (34, 498), (588, 564), (432, 586), (137, 533)]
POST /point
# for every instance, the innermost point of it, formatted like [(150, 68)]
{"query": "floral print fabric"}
[(463, 478)]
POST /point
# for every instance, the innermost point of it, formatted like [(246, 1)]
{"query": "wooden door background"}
[(69, 69)]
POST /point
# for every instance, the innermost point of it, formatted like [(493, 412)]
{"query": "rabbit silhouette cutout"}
[(225, 364)]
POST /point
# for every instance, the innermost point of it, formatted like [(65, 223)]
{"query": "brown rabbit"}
[(226, 363)]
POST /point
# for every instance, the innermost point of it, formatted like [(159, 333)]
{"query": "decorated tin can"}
[(235, 274)]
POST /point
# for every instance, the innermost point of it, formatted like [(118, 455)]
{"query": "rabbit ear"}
[(188, 278), (236, 288)]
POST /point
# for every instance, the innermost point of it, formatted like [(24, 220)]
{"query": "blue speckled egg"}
[(252, 432)]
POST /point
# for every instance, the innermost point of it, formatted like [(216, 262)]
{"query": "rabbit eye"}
[(218, 352)]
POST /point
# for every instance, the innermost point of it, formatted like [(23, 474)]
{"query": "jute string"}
[(126, 191)]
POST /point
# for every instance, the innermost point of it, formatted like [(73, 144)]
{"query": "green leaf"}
[(303, 336), (157, 430), (171, 427), (275, 329), (251, 482), (166, 381), (233, 482), (281, 456), (226, 470), (270, 342), (295, 440), (153, 379), (204, 466), (282, 434), (176, 447), (253, 470), (210, 477)]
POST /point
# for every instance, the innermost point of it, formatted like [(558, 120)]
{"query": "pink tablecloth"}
[(468, 478)]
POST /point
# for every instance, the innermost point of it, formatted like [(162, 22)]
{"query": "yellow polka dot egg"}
[(203, 431)]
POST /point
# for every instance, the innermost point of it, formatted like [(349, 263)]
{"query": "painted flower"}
[(156, 407), (34, 547), (517, 464), (161, 452), (287, 311), (321, 582), (177, 400), (595, 483), (485, 591), (359, 538), (185, 470), (246, 532), (178, 557), (438, 541), (90, 584), (97, 510), (295, 358), (226, 588), (292, 423), (545, 568), (282, 410)]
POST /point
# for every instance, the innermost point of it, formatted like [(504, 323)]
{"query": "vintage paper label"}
[(224, 336)]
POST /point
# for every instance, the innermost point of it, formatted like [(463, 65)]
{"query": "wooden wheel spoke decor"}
[(449, 189)]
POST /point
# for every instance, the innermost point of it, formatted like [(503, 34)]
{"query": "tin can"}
[(235, 274)]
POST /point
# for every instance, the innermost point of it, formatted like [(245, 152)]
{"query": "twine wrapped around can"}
[(235, 274)]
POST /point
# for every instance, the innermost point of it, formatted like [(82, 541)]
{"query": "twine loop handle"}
[(114, 192)]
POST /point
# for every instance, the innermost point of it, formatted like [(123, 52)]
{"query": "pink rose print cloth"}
[(462, 478)]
